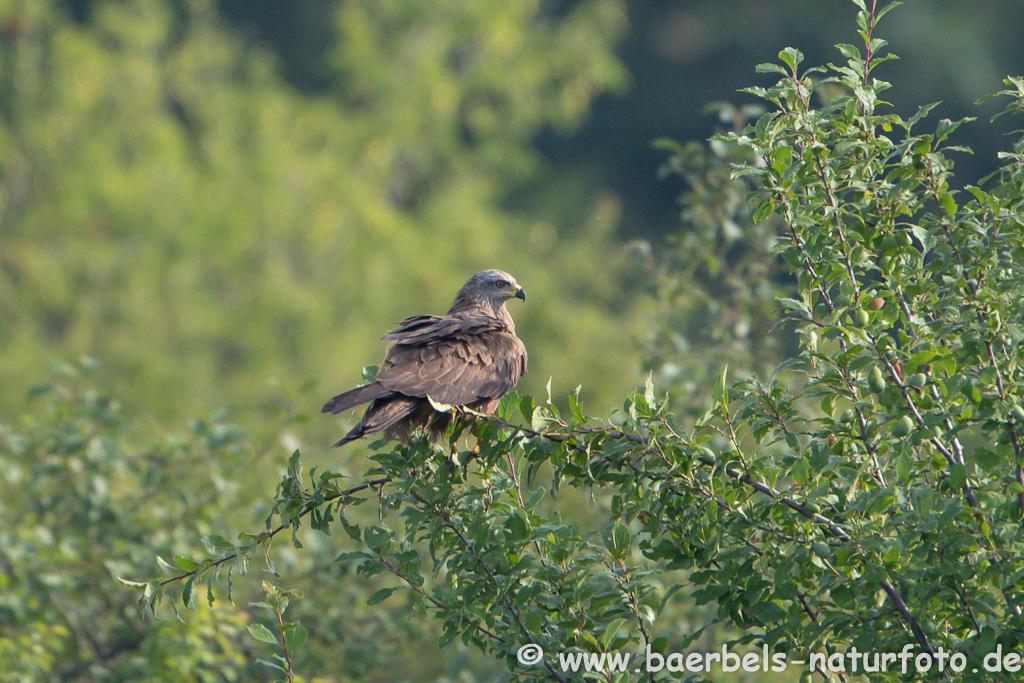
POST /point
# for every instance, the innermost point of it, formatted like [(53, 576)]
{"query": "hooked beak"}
[(521, 293)]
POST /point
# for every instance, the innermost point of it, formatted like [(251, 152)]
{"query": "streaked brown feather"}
[(353, 397)]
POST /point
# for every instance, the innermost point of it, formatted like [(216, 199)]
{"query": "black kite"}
[(468, 358)]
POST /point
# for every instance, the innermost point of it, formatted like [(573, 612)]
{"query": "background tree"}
[(162, 183)]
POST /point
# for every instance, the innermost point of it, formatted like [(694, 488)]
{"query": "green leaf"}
[(507, 406), (440, 407), (187, 597), (849, 51), (988, 460), (217, 545), (610, 631), (184, 563), (370, 373), (617, 540), (381, 595), (764, 210), (351, 529), (885, 10), (295, 637), (720, 393), (796, 306), (353, 556), (294, 466), (767, 611), (262, 634), (526, 408), (948, 204), (801, 470), (903, 465), (540, 419), (762, 125), (957, 476), (518, 528), (377, 539), (791, 57), (574, 405), (770, 68), (280, 666)]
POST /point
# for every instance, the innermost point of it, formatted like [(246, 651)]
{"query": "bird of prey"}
[(468, 358)]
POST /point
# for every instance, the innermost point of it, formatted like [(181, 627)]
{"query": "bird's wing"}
[(453, 359)]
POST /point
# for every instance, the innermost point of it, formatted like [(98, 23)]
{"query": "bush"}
[(864, 497)]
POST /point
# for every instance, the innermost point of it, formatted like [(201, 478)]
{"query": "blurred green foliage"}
[(90, 493), (715, 284), (170, 205), (223, 223)]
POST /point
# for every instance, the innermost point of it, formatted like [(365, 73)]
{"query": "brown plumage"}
[(470, 357)]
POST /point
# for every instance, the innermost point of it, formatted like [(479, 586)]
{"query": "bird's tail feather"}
[(381, 416), (352, 398), (351, 436)]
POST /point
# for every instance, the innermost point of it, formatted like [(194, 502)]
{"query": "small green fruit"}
[(876, 303), (822, 550), (918, 380), (863, 317), (707, 456), (903, 427), (875, 380), (812, 507), (806, 677), (1017, 414), (847, 416)]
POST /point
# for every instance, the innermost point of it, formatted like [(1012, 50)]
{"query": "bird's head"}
[(493, 287)]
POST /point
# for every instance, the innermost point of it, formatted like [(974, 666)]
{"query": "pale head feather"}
[(482, 291)]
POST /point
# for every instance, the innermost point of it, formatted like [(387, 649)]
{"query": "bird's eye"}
[(501, 284)]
